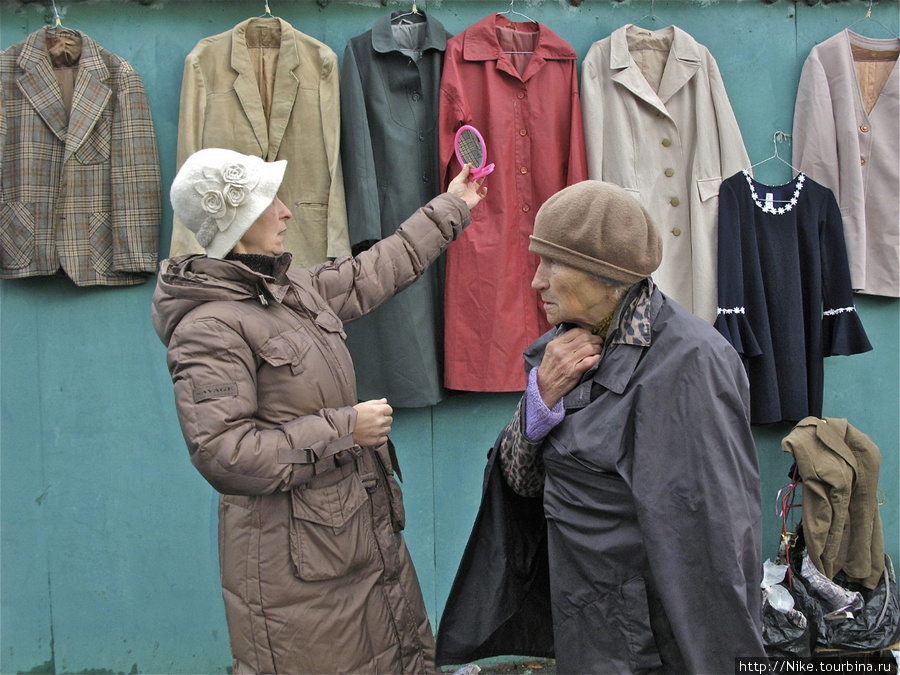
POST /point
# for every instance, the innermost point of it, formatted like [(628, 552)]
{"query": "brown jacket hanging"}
[(839, 467)]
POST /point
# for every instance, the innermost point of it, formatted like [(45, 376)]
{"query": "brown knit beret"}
[(599, 228)]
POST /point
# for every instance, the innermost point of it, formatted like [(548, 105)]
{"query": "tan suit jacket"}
[(298, 120), (669, 142), (839, 467)]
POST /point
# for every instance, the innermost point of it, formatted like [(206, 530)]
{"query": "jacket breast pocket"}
[(285, 349), (331, 530), (95, 149)]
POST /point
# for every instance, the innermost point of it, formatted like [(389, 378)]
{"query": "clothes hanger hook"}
[(779, 137), (56, 18)]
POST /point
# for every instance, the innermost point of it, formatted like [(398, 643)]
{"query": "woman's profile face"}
[(266, 235), (572, 296)]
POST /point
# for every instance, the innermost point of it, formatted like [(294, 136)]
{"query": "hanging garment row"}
[(375, 140)]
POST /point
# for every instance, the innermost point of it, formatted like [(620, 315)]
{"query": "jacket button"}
[(670, 173), (523, 132), (864, 128), (520, 95), (674, 201), (666, 142), (523, 170), (526, 208), (862, 161), (676, 231)]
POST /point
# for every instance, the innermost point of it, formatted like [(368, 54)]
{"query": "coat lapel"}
[(683, 62), (91, 96), (832, 432), (287, 82), (626, 72), (39, 86), (246, 86)]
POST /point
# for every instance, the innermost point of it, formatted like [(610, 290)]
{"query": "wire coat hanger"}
[(57, 23), (413, 12), (778, 137), (868, 17), (268, 13), (512, 10), (652, 15)]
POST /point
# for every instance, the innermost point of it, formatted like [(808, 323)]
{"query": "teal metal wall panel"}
[(465, 428), (25, 582), (109, 553)]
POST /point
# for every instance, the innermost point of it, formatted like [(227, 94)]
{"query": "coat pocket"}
[(285, 349), (331, 531), (707, 188), (16, 235)]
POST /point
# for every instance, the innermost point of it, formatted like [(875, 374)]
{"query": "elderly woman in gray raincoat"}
[(620, 524)]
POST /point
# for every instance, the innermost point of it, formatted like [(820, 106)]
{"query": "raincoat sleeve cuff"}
[(844, 333), (539, 419), (733, 325)]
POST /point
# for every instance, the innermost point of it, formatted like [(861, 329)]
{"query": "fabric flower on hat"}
[(222, 191), (218, 194)]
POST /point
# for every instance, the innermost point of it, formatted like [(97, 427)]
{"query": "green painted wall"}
[(108, 554)]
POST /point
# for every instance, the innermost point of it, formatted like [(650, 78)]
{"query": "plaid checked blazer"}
[(79, 189)]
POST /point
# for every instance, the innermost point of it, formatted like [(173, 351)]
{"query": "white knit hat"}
[(218, 194)]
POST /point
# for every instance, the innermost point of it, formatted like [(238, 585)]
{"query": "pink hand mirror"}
[(470, 149)]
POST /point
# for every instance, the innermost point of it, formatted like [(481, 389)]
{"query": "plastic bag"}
[(778, 596), (877, 625), (786, 630)]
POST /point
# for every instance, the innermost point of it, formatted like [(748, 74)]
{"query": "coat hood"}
[(186, 282)]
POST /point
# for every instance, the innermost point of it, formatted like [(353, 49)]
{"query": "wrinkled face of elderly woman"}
[(570, 295)]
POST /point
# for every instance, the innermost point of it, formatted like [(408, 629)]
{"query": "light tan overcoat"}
[(266, 89), (658, 122)]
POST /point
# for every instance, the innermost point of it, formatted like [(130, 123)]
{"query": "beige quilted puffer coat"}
[(315, 572)]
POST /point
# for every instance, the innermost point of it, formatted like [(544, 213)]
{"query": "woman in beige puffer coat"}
[(315, 573)]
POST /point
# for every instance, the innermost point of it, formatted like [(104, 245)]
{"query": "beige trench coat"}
[(854, 149), (293, 115), (665, 131), (316, 575)]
